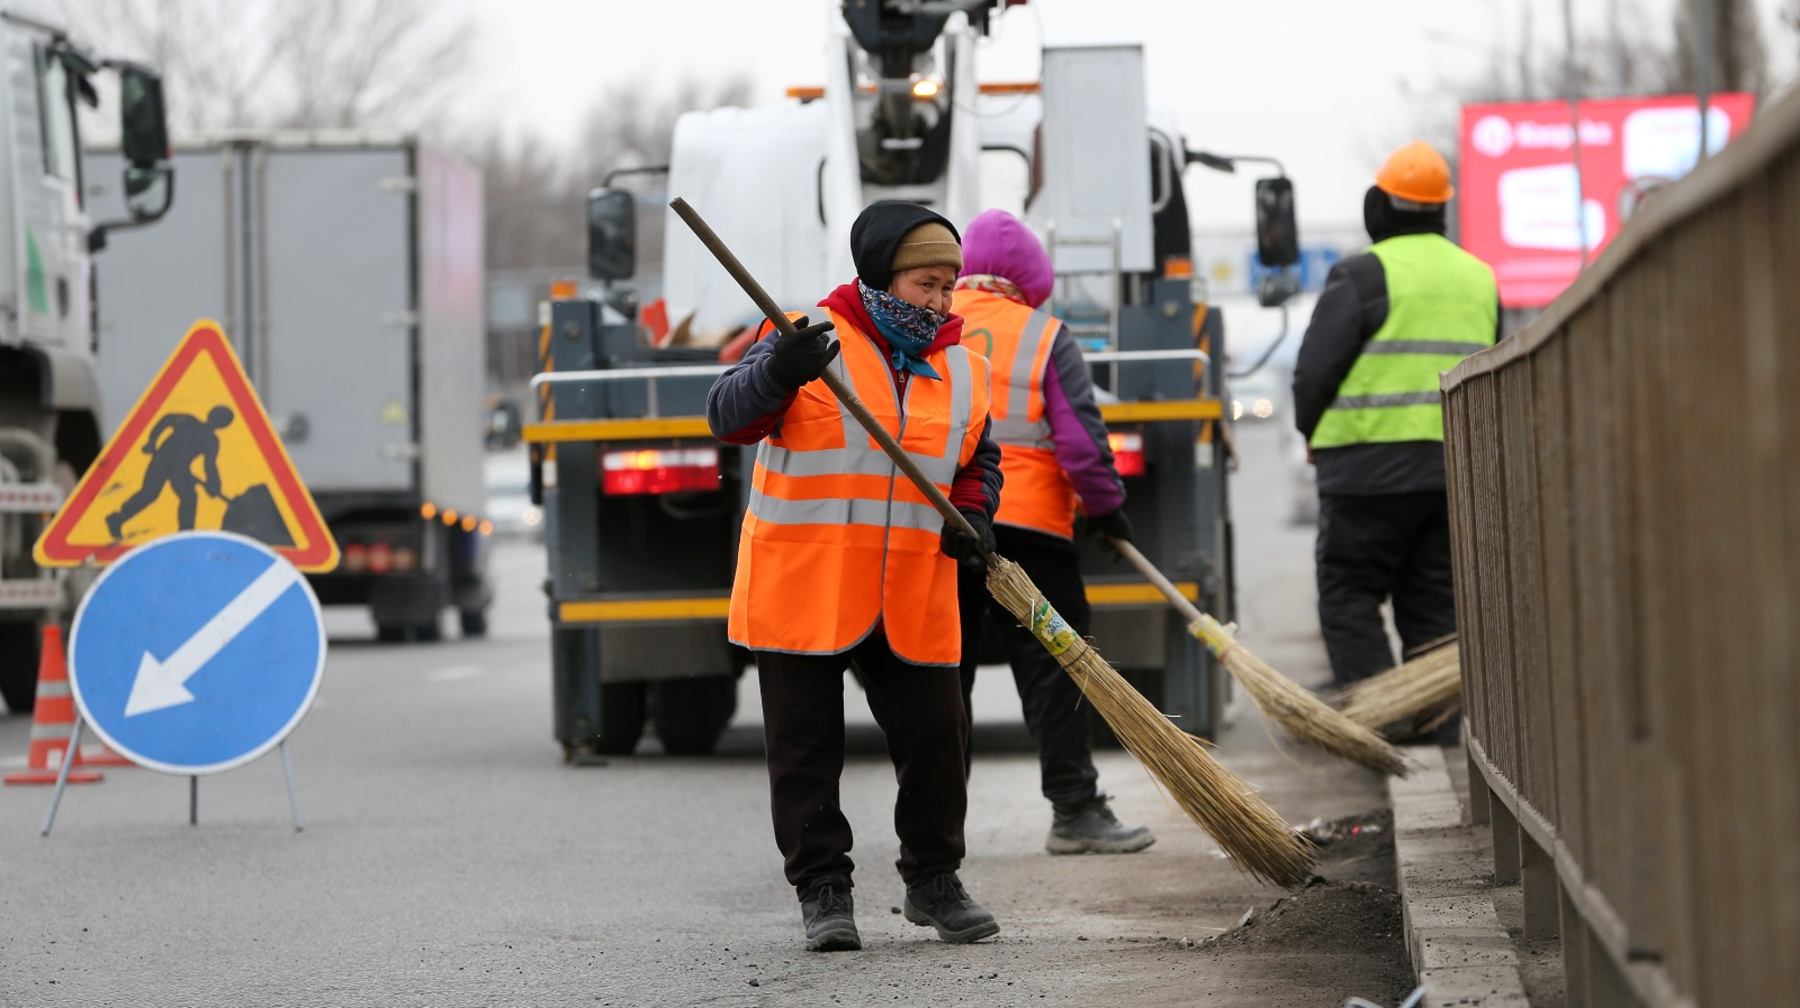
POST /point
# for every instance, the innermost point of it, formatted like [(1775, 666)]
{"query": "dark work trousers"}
[(1055, 711), (1373, 548), (803, 733)]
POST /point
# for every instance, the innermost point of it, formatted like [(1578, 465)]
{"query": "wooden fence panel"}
[(1500, 717), (1562, 635), (1625, 489), (1524, 601), (1772, 325)]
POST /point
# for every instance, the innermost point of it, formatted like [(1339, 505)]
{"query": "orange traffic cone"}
[(102, 756), (52, 721)]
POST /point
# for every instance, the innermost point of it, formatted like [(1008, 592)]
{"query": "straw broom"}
[(1303, 716), (1243, 825), (1429, 684)]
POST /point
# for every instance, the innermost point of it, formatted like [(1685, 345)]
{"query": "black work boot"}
[(939, 900), (829, 914), (1091, 828)]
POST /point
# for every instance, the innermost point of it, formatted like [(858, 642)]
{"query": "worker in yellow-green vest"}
[(1366, 398)]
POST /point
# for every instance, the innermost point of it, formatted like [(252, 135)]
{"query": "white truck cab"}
[(49, 395)]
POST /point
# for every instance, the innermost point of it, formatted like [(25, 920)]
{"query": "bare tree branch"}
[(234, 64)]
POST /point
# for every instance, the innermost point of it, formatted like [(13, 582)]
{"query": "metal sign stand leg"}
[(62, 783), (287, 767), (62, 773)]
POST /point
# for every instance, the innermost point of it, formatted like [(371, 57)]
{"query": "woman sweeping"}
[(1054, 452), (843, 561)]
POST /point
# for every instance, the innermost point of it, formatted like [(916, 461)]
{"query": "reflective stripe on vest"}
[(836, 540), (1036, 494), (1442, 305)]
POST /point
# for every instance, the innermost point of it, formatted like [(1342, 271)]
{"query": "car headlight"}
[(1237, 410), (532, 516), (1263, 408)]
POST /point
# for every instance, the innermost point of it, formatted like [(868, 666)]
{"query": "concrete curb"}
[(1459, 950)]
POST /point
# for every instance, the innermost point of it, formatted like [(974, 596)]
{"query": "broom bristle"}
[(1294, 707), (1429, 683), (1261, 843)]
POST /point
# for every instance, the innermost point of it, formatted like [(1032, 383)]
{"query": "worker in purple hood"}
[(1056, 462)]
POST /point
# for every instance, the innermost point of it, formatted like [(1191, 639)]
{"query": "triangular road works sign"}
[(196, 452)]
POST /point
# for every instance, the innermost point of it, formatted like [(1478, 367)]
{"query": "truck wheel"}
[(473, 622), (390, 633), (691, 714), (621, 718), (428, 632), (19, 646)]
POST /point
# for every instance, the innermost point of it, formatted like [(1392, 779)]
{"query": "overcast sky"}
[(1327, 86)]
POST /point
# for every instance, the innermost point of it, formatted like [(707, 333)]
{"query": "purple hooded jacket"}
[(998, 244)]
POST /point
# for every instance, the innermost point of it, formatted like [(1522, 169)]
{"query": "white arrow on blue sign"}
[(197, 652)]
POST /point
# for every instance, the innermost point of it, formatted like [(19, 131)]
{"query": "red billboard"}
[(1517, 183)]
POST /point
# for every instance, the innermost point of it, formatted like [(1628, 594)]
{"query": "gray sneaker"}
[(1093, 829), (829, 913)]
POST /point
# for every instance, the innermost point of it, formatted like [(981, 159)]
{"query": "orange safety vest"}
[(1016, 340), (836, 539)]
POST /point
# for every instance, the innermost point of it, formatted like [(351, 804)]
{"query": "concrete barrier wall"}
[(1625, 495)]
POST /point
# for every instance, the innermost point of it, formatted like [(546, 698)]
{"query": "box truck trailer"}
[(347, 273)]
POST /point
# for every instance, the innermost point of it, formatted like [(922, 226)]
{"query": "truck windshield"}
[(56, 115)]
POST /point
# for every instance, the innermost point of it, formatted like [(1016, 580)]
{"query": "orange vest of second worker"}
[(837, 540), (1037, 493)]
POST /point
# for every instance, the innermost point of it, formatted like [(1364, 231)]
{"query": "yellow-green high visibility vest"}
[(1442, 305)]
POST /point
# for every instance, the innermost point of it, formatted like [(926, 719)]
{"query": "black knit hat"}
[(876, 235)]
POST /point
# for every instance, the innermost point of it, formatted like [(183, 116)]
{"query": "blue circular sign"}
[(197, 652)]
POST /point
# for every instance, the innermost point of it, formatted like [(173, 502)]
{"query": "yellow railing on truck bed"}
[(650, 429)]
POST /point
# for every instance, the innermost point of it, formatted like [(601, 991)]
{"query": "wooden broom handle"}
[(1146, 568), (845, 394)]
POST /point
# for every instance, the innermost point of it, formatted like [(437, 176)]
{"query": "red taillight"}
[(1128, 452), (381, 558), (356, 558), (660, 471)]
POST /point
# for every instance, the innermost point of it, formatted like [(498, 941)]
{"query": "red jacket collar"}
[(847, 301)]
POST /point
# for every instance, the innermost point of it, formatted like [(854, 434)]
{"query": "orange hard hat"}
[(1417, 173)]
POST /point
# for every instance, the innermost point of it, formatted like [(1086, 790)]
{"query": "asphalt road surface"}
[(449, 857)]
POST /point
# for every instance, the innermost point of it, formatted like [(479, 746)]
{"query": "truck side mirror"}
[(144, 140), (143, 124), (1275, 289), (149, 192), (612, 234), (1277, 236)]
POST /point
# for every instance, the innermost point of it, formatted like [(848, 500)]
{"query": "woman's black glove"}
[(803, 356), (1112, 524), (957, 545)]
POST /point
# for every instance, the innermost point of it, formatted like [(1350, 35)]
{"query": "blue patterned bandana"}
[(908, 329)]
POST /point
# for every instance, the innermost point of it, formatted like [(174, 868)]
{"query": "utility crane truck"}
[(49, 396), (643, 506)]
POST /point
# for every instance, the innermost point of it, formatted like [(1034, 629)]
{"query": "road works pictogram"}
[(197, 453)]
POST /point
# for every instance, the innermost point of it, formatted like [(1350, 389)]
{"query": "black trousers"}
[(1055, 711), (919, 709), (1374, 548)]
